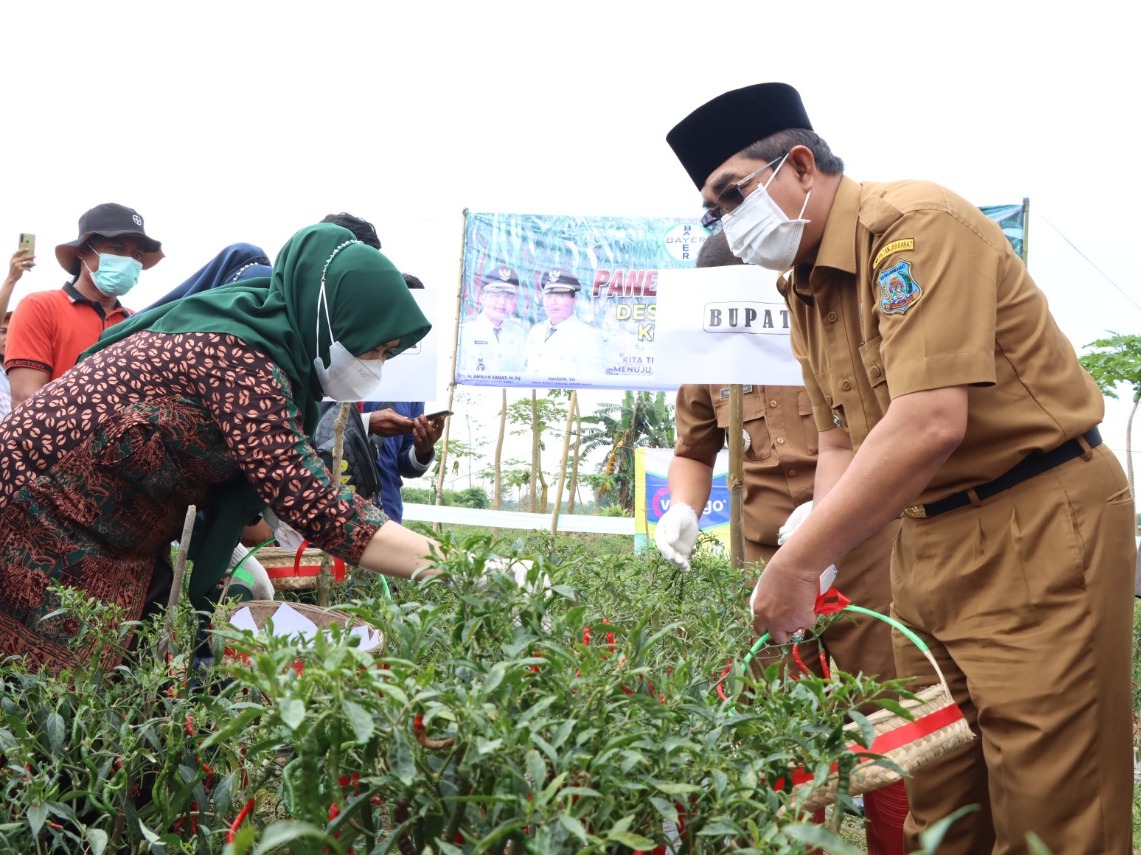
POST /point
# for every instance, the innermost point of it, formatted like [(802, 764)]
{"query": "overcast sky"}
[(244, 121)]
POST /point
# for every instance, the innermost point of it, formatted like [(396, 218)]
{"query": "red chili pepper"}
[(610, 640), (242, 814), (189, 725), (721, 682), (421, 734)]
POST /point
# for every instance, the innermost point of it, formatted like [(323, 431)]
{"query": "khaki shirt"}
[(780, 463), (914, 289)]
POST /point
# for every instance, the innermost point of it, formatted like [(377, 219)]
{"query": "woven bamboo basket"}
[(324, 618), (296, 570), (935, 726), (938, 726)]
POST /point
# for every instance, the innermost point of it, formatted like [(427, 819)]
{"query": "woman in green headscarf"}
[(207, 401)]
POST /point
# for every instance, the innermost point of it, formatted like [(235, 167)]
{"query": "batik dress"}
[(96, 473)]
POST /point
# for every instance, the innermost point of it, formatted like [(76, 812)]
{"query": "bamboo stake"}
[(736, 476), (536, 461), (451, 374), (176, 582), (496, 500), (325, 574), (563, 465), (572, 488)]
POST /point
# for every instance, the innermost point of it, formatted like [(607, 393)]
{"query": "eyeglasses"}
[(732, 197)]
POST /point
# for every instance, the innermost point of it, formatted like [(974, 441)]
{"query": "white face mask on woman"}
[(760, 233), (348, 377)]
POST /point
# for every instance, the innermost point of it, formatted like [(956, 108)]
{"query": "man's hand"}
[(388, 422), (676, 533), (784, 600), (425, 434), (799, 515), (21, 261)]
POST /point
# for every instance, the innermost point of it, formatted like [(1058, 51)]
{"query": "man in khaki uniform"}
[(779, 465), (921, 331)]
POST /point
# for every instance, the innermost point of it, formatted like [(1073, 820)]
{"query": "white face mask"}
[(348, 377), (760, 233)]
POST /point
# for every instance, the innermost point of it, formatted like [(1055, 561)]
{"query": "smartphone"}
[(27, 243), (439, 413)]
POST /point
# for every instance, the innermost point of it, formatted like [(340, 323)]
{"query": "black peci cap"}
[(731, 122)]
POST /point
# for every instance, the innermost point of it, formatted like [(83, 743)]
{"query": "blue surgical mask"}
[(117, 274)]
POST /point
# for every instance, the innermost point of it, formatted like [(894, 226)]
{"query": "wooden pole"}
[(176, 582), (451, 374), (563, 465), (325, 574), (496, 499), (736, 476)]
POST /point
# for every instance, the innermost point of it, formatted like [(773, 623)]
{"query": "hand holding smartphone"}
[(27, 243)]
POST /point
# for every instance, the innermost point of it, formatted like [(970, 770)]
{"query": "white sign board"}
[(412, 375), (723, 325)]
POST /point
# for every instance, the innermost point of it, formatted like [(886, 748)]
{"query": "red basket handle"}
[(338, 564)]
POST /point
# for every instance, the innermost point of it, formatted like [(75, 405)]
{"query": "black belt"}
[(1033, 464)]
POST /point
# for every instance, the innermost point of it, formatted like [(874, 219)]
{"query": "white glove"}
[(676, 533), (517, 570), (259, 583), (795, 520)]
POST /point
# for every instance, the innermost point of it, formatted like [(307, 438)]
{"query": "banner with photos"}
[(565, 302)]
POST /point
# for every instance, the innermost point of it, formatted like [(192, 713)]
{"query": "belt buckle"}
[(916, 512)]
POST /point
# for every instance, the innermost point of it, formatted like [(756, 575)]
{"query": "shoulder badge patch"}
[(898, 289), (892, 248)]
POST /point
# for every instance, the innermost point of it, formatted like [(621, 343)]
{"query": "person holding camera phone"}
[(405, 440), (23, 259)]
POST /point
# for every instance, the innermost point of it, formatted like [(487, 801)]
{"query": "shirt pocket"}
[(874, 370), (807, 422), (753, 416)]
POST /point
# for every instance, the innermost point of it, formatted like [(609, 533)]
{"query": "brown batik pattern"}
[(97, 470)]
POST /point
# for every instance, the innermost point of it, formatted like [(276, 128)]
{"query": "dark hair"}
[(772, 147), (715, 252), (363, 230), (413, 282)]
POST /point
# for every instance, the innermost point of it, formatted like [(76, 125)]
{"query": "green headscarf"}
[(369, 305), (368, 299)]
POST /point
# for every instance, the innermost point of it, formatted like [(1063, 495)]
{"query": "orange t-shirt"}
[(49, 329)]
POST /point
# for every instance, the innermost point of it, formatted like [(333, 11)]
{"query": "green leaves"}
[(585, 720)]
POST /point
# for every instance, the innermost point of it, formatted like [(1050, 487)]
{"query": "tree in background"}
[(537, 415), (641, 420), (1116, 360)]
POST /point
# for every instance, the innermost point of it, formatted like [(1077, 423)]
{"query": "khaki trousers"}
[(1026, 602)]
